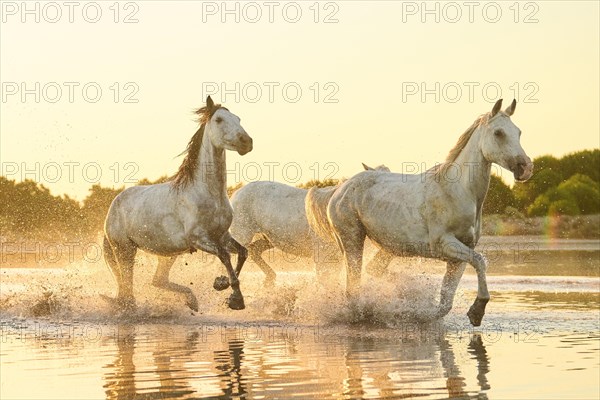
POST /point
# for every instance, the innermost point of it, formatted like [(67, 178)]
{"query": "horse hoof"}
[(477, 311), (192, 303), (236, 301), (474, 317), (221, 283), (118, 304)]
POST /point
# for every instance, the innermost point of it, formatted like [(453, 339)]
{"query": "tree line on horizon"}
[(569, 185)]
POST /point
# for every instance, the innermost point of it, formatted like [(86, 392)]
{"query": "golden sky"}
[(381, 82)]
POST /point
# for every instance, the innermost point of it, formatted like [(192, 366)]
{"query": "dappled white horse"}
[(434, 214), (191, 212), (270, 215), (315, 207)]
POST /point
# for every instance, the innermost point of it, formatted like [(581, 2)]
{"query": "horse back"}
[(272, 209), (390, 208)]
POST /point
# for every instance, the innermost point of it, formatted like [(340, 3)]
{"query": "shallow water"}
[(540, 337)]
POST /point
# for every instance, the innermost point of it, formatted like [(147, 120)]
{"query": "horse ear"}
[(209, 103), (510, 110), (366, 167), (497, 107)]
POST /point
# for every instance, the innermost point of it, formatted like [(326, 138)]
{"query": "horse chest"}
[(215, 216), (221, 214)]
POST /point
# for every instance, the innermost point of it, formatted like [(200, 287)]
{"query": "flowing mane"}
[(186, 173), (460, 145)]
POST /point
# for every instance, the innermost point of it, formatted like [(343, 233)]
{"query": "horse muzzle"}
[(523, 171), (245, 146)]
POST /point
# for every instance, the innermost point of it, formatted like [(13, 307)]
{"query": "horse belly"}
[(398, 227), (166, 238), (401, 241), (282, 220), (292, 238)]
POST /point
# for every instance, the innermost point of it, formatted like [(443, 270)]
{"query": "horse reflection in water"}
[(175, 380), (121, 381), (342, 367), (478, 351), (229, 362), (455, 383), (388, 381)]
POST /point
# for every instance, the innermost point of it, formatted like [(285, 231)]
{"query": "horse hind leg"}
[(351, 240), (120, 259), (379, 264), (161, 281), (255, 250), (111, 261)]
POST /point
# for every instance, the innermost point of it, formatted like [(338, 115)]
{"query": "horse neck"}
[(211, 167), (474, 169)]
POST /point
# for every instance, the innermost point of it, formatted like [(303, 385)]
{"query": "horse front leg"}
[(236, 300), (242, 253), (455, 250), (232, 245), (454, 272)]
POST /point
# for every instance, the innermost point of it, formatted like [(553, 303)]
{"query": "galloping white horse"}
[(315, 205), (191, 212), (435, 214), (270, 215)]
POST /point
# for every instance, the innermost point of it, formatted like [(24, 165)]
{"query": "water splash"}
[(74, 293)]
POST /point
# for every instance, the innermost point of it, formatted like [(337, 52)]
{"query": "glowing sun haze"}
[(367, 82)]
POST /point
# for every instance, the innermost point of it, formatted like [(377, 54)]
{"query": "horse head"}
[(224, 128), (501, 142)]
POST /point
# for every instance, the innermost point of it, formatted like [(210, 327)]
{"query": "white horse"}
[(191, 212), (315, 205), (435, 214), (270, 215)]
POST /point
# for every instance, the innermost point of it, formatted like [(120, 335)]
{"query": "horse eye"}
[(219, 120), (499, 133)]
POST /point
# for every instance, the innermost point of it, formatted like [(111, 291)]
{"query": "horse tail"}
[(315, 206), (109, 255)]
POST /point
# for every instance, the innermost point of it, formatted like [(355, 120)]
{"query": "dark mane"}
[(186, 173), (460, 145)]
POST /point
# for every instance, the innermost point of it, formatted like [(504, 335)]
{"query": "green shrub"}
[(513, 213), (320, 184), (584, 190), (542, 180), (499, 196), (563, 207), (554, 202)]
